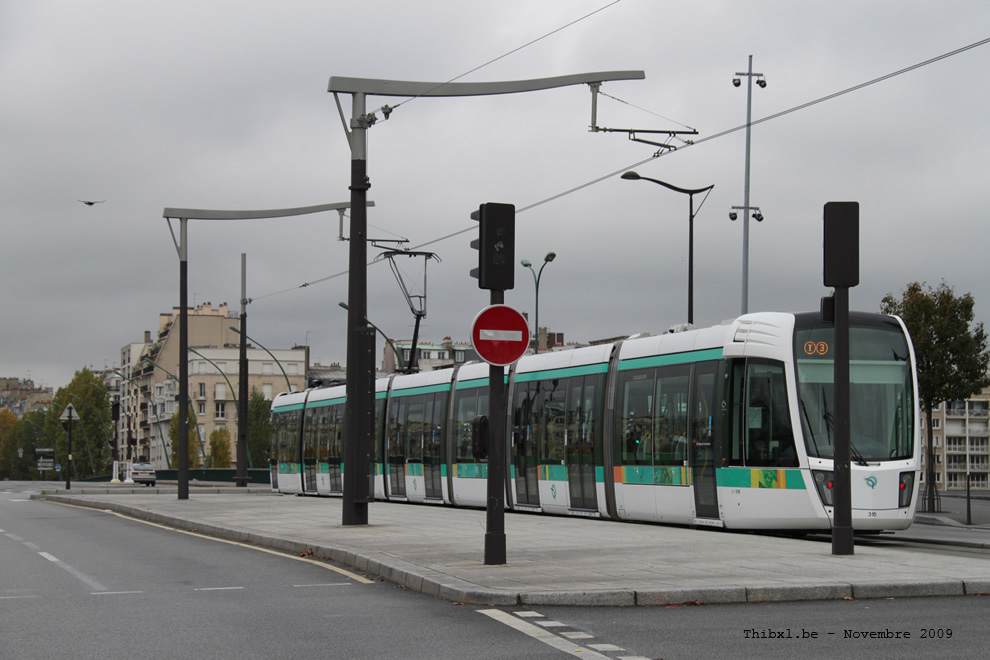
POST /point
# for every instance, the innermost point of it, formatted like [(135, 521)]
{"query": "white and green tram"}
[(729, 426)]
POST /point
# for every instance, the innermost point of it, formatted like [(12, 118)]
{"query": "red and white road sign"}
[(500, 335)]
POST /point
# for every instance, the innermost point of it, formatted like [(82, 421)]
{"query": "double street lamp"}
[(690, 192), (536, 278)]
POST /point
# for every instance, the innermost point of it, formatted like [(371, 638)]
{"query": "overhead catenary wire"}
[(693, 143), (500, 57)]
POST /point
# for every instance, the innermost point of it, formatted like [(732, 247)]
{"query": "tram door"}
[(702, 441), (310, 442), (334, 424), (431, 441), (581, 431), (526, 428), (395, 451)]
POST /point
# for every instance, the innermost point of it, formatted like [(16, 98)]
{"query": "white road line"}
[(218, 589), (15, 597), (93, 584), (542, 635), (577, 635), (326, 584)]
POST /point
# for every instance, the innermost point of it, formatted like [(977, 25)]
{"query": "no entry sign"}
[(500, 335)]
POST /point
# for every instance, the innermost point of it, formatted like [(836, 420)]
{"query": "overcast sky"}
[(224, 105)]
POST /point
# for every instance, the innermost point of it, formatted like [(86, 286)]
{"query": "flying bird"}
[(88, 203)]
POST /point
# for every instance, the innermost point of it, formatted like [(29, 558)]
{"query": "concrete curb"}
[(438, 584)]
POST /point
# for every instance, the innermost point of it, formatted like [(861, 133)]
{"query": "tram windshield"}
[(881, 390)]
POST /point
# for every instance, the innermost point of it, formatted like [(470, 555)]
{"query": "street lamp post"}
[(746, 208), (536, 278), (690, 192)]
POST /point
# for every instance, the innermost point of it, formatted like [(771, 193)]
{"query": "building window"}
[(201, 367), (458, 356), (202, 409), (220, 391), (266, 391), (202, 390), (221, 411), (266, 368), (293, 369)]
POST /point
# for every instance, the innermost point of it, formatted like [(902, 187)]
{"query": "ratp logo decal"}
[(871, 481)]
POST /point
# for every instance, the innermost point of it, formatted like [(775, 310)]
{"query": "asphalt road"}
[(84, 583), (80, 583)]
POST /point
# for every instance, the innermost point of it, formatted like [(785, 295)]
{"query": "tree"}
[(193, 440), (219, 448), (92, 430), (8, 443), (951, 352), (259, 429)]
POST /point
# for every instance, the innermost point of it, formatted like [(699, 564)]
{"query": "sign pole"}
[(495, 526), (841, 260)]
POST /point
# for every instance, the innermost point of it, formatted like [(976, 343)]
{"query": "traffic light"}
[(496, 246)]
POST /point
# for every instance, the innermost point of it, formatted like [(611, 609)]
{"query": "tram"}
[(729, 426)]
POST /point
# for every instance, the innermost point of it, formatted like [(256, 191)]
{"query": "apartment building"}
[(961, 438), (148, 382)]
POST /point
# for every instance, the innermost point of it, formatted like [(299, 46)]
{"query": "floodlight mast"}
[(359, 411)]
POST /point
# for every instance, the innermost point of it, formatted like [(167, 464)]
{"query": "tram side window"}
[(335, 433), (315, 432), (525, 421), (553, 420), (411, 428), (635, 423), (582, 421), (703, 412), (287, 439), (470, 403), (761, 428), (670, 417)]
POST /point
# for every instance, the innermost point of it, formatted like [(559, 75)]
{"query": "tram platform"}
[(552, 560)]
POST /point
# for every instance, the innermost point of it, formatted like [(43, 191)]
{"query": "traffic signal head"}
[(496, 246)]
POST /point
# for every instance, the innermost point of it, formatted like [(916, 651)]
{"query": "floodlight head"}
[(732, 215), (758, 216), (630, 175), (736, 82), (762, 83)]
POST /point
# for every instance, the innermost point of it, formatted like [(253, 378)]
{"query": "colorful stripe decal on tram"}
[(756, 478), (647, 474)]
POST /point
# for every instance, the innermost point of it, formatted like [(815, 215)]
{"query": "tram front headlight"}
[(906, 489), (824, 483)]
